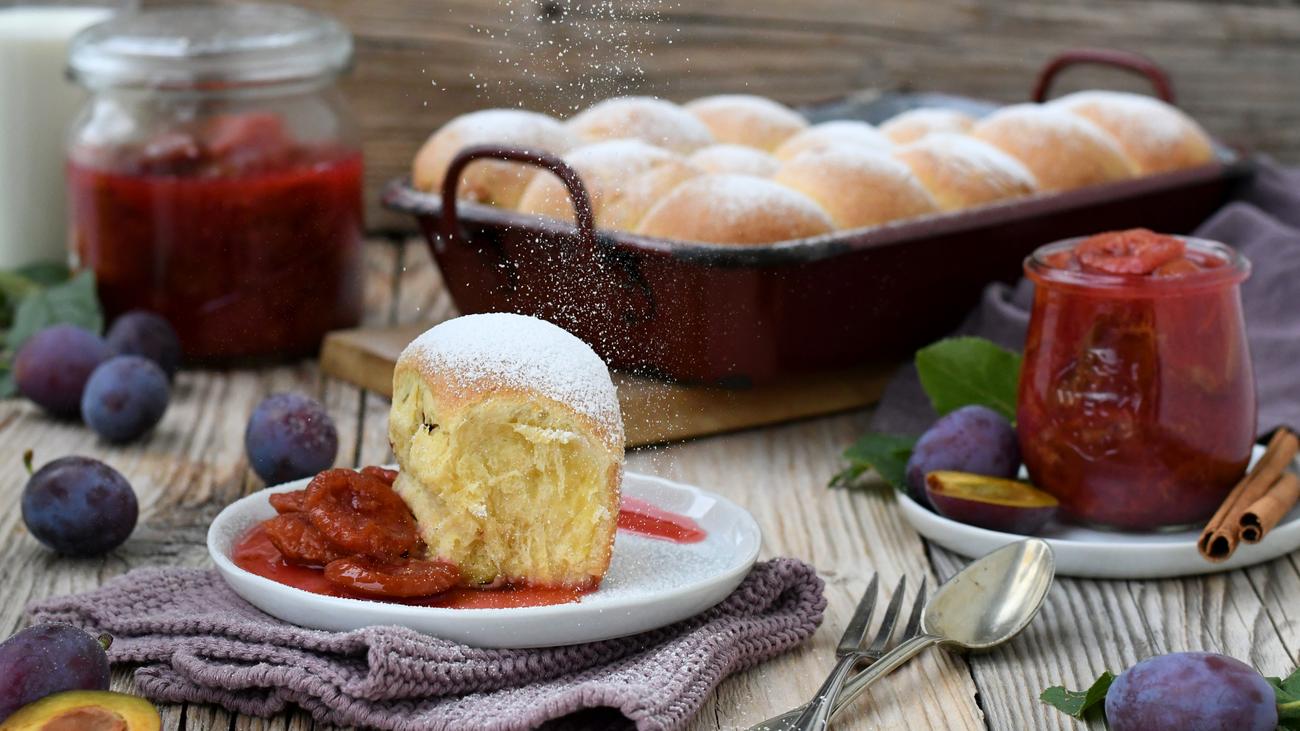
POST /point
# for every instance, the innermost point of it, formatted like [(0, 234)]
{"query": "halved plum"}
[(990, 502), (85, 710)]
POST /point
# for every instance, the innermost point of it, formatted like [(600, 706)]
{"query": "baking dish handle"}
[(1124, 60), (638, 298), (583, 217)]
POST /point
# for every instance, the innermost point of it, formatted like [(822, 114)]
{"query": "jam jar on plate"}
[(1137, 398), (215, 176)]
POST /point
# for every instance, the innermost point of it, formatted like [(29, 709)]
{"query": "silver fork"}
[(816, 714)]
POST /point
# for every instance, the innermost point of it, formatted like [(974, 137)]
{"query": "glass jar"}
[(1137, 398), (215, 176), (39, 104)]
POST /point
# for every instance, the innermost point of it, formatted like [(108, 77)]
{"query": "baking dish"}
[(739, 316)]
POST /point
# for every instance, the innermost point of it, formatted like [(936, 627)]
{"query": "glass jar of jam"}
[(1137, 398), (215, 176)]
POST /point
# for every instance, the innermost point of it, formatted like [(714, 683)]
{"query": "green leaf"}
[(959, 372), (887, 454), (1078, 703), (1288, 700), (45, 273), (72, 302)]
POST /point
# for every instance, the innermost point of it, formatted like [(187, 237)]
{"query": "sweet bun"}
[(745, 119), (1062, 150), (624, 178), (1156, 136), (735, 159), (494, 182), (840, 132), (915, 124), (961, 171), (734, 209), (857, 186), (645, 118), (510, 440)]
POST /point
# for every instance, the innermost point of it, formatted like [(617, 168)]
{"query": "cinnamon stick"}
[(1265, 513), (1222, 534)]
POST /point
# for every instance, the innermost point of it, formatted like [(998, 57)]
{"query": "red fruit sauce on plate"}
[(255, 554)]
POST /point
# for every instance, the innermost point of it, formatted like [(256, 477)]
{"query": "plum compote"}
[(1137, 399)]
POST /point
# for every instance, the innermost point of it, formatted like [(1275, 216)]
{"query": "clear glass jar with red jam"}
[(1137, 397), (215, 176)]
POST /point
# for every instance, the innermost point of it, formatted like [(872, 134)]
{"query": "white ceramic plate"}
[(1087, 553), (651, 583)]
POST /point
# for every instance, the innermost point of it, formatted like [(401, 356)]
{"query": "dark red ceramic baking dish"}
[(736, 316)]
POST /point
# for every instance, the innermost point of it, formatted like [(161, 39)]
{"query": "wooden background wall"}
[(1235, 64)]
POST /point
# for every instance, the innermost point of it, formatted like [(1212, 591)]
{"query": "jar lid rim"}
[(210, 45)]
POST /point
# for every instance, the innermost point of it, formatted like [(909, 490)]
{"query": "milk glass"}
[(38, 105)]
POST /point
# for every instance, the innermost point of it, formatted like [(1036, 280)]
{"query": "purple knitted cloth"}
[(197, 641)]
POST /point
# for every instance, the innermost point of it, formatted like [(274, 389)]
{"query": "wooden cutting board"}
[(653, 411)]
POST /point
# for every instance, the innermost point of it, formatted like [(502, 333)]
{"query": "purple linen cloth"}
[(1263, 223), (197, 641)]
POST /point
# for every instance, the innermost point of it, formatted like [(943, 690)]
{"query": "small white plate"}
[(1095, 554), (650, 584)]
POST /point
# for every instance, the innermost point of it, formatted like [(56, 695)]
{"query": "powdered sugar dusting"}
[(520, 352), (734, 197), (735, 159), (975, 157), (510, 125), (1148, 120), (650, 119)]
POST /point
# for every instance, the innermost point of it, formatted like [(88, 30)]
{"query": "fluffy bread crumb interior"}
[(511, 486)]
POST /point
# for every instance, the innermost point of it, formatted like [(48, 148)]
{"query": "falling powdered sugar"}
[(520, 352)]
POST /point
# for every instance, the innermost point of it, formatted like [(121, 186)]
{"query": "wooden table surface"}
[(194, 464)]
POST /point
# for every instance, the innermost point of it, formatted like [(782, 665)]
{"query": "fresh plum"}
[(990, 502), (973, 439), (290, 436), (148, 335), (49, 658), (52, 367), (125, 397), (1191, 691), (79, 506)]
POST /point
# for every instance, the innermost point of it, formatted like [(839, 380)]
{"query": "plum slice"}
[(990, 502), (86, 710)]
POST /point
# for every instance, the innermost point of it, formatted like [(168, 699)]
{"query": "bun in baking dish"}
[(645, 118), (734, 209), (510, 440), (735, 159), (915, 124), (494, 182), (857, 186), (841, 132), (624, 178), (745, 119), (961, 171), (1062, 150), (1156, 136)]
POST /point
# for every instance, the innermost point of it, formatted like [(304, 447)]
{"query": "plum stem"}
[(27, 461)]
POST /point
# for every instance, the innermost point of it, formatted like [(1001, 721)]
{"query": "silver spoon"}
[(982, 606)]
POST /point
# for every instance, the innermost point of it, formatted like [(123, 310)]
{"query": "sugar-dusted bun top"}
[(961, 171), (495, 182), (475, 354), (839, 132), (746, 119), (737, 159), (1157, 136), (734, 209), (915, 124), (658, 122), (1062, 150), (857, 186), (623, 178)]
